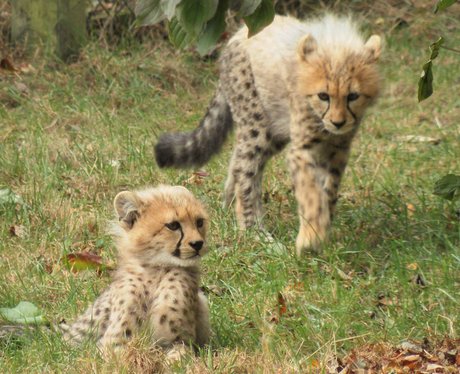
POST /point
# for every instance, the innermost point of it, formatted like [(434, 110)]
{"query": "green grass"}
[(81, 133)]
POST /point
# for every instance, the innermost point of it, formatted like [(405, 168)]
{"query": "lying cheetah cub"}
[(160, 235)]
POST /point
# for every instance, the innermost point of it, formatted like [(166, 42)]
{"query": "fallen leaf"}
[(410, 358), (410, 209), (314, 363), (411, 347), (6, 64), (419, 280), (85, 261), (214, 289), (282, 308), (25, 313), (8, 197), (412, 266), (433, 367), (197, 177), (22, 88), (387, 301), (343, 275), (19, 231), (27, 68)]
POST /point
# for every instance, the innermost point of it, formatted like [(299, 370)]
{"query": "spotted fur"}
[(307, 83), (160, 234)]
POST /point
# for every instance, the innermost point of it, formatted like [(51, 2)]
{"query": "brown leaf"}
[(22, 88), (197, 177), (27, 68), (433, 367), (411, 347), (344, 276), (419, 280), (85, 261), (409, 359), (19, 231), (410, 209), (387, 301), (282, 308), (6, 64)]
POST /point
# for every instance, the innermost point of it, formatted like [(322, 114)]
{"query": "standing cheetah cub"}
[(160, 235), (307, 83)]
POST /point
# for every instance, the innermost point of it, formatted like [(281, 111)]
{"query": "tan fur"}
[(307, 83), (160, 234)]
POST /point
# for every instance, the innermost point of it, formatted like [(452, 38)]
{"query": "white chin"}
[(334, 130), (166, 259)]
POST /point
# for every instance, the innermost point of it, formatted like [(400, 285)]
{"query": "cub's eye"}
[(199, 222), (323, 96), (352, 96), (173, 226)]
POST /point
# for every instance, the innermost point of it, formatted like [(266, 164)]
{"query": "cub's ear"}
[(373, 48), (127, 206), (307, 45)]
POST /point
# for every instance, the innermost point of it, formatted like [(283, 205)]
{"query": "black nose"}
[(339, 124), (196, 245)]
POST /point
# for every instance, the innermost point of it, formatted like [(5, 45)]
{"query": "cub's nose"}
[(339, 124), (196, 245)]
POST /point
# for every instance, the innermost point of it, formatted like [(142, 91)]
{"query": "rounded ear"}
[(126, 206), (373, 48), (307, 45)]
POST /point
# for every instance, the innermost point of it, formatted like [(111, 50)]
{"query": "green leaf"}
[(169, 8), (443, 4), (434, 47), (9, 197), (448, 187), (192, 15), (425, 83), (177, 34), (25, 313), (148, 12), (261, 17), (248, 7), (213, 29)]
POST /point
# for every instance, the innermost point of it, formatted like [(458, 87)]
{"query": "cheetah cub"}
[(160, 236), (307, 83)]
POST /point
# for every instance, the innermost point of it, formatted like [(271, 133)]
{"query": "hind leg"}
[(253, 138), (229, 190)]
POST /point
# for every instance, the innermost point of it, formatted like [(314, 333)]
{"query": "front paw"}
[(309, 239)]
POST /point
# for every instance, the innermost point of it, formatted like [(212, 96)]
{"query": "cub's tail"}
[(195, 148)]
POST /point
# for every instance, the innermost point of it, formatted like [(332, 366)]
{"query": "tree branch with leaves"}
[(202, 22)]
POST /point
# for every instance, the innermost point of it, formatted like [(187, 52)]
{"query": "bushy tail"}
[(195, 148)]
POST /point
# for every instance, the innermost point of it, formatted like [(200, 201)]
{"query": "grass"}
[(73, 136)]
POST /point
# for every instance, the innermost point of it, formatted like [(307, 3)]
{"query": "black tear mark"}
[(353, 114), (328, 106), (176, 252)]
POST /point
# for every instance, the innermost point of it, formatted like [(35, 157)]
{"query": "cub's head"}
[(162, 226), (339, 80)]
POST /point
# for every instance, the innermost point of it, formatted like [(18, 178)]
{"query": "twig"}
[(450, 49)]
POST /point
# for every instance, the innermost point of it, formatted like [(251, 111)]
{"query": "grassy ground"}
[(73, 136)]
